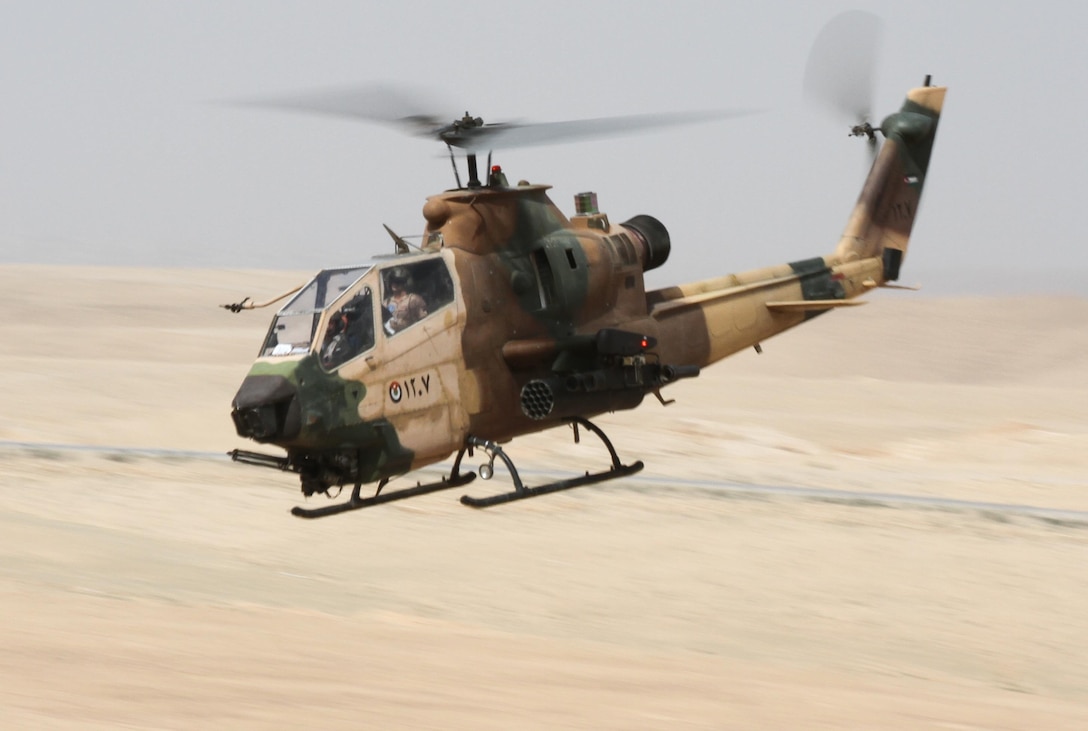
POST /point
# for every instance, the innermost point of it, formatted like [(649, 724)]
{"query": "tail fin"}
[(884, 215)]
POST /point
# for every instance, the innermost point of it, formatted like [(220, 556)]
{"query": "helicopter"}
[(511, 318)]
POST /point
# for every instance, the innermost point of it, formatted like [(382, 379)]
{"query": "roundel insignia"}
[(396, 392)]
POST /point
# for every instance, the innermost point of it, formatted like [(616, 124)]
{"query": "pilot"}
[(350, 331), (402, 306)]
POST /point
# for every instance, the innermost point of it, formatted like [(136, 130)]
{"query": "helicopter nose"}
[(266, 409)]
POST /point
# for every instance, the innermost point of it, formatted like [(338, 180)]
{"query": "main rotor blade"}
[(375, 103), (507, 136), (407, 110), (842, 64)]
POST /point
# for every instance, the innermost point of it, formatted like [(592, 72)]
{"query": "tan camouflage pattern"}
[(532, 287)]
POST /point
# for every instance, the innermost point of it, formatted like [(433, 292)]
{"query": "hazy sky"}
[(112, 151)]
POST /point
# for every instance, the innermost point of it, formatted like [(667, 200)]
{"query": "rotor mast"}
[(461, 133)]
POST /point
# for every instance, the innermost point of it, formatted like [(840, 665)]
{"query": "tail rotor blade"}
[(841, 67)]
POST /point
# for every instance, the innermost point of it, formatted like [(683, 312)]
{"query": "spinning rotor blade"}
[(842, 63), (405, 110), (507, 136), (375, 103)]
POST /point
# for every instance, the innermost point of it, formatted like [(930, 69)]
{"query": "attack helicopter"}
[(510, 317)]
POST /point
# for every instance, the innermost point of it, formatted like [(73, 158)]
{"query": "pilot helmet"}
[(398, 275)]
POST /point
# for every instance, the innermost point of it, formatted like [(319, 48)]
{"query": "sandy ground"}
[(177, 592)]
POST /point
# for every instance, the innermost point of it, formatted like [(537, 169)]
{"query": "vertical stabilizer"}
[(881, 223)]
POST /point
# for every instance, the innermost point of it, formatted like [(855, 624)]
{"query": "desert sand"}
[(152, 590)]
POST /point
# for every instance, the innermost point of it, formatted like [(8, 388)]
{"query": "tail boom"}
[(706, 321), (703, 322)]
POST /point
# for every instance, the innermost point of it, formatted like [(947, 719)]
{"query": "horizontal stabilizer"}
[(811, 305)]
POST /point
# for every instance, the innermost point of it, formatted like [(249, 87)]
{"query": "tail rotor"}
[(841, 71)]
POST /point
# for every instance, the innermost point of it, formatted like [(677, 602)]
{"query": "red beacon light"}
[(497, 178)]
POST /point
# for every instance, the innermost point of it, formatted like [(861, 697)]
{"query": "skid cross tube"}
[(521, 492)]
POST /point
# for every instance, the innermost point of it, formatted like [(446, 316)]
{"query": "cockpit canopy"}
[(411, 290), (295, 326)]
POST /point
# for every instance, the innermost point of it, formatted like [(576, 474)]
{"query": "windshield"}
[(350, 331), (293, 329)]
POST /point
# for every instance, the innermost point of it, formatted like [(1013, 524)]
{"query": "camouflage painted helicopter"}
[(511, 318)]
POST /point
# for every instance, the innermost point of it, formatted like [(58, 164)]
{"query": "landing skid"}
[(357, 503), (521, 492), (456, 478)]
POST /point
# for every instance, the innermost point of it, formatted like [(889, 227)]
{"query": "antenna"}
[(453, 162)]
